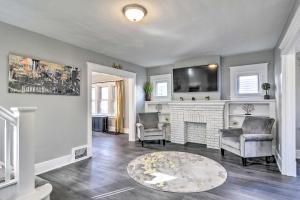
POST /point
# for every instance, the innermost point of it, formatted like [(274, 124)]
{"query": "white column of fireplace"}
[(197, 122)]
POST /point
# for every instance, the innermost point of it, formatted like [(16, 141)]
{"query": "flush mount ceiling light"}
[(212, 66), (134, 12)]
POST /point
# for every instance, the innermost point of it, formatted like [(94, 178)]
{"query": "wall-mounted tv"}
[(202, 78)]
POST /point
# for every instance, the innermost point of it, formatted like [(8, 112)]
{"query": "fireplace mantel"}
[(197, 119)]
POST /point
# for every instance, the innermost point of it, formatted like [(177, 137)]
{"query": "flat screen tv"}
[(202, 78)]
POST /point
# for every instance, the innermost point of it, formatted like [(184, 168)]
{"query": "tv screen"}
[(196, 79)]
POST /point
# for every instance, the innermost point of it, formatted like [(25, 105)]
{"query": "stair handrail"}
[(11, 141)]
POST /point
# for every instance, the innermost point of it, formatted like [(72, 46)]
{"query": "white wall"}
[(277, 74), (298, 102), (61, 120)]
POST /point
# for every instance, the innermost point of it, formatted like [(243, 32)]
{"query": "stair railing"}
[(9, 144)]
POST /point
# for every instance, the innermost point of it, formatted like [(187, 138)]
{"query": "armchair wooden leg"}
[(222, 152), (268, 159), (164, 142), (244, 160), (142, 143), (158, 141)]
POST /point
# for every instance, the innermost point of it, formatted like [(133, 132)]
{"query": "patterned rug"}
[(174, 171)]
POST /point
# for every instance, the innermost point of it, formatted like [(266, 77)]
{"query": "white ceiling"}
[(173, 30)]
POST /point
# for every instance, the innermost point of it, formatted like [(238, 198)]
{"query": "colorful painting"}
[(28, 75)]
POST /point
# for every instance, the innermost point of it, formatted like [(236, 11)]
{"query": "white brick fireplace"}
[(197, 122)]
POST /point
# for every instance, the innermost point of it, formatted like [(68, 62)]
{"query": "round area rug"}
[(174, 171)]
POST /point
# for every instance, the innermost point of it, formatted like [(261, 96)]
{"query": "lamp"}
[(212, 66), (134, 12)]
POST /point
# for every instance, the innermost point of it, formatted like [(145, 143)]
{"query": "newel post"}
[(26, 151)]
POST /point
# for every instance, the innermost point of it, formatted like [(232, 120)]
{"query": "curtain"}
[(119, 106)]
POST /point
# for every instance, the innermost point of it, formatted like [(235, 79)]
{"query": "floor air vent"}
[(79, 153)]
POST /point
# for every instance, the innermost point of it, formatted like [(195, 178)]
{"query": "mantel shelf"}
[(243, 115)]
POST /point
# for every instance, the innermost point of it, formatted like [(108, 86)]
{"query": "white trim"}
[(56, 163), (288, 115), (298, 154), (260, 69), (278, 160), (288, 42), (161, 78), (92, 67), (288, 47), (50, 165)]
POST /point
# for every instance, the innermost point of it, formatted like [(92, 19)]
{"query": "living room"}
[(198, 76)]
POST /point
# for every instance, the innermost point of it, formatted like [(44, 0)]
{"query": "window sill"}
[(248, 97)]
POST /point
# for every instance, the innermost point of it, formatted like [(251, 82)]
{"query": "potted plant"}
[(148, 90), (266, 87)]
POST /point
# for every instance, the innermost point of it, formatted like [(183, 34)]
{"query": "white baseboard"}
[(56, 163), (297, 154), (112, 129), (278, 160)]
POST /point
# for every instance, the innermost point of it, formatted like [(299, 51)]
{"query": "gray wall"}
[(61, 120), (226, 62), (204, 60), (246, 59)]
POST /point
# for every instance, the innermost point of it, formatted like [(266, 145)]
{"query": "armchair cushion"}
[(257, 125), (153, 132), (257, 137), (233, 142), (233, 132), (149, 120)]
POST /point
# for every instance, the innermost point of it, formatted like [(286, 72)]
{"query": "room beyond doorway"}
[(110, 107), (113, 75)]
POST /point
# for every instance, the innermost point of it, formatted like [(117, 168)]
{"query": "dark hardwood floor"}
[(105, 174)]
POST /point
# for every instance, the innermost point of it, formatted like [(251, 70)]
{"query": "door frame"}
[(289, 46), (131, 77)]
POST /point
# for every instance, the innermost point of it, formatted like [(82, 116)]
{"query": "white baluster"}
[(6, 152)]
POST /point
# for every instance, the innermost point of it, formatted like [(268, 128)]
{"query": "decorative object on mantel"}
[(116, 66), (181, 98), (148, 88), (167, 119), (193, 98), (266, 87), (248, 108), (28, 75), (207, 98), (174, 171), (234, 123), (158, 107)]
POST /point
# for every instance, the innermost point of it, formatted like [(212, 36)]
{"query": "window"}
[(248, 84), (103, 99), (161, 87), (94, 111), (246, 81)]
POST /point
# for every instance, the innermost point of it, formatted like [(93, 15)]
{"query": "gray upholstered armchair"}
[(149, 128), (254, 139)]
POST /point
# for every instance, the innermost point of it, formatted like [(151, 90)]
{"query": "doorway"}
[(110, 72)]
